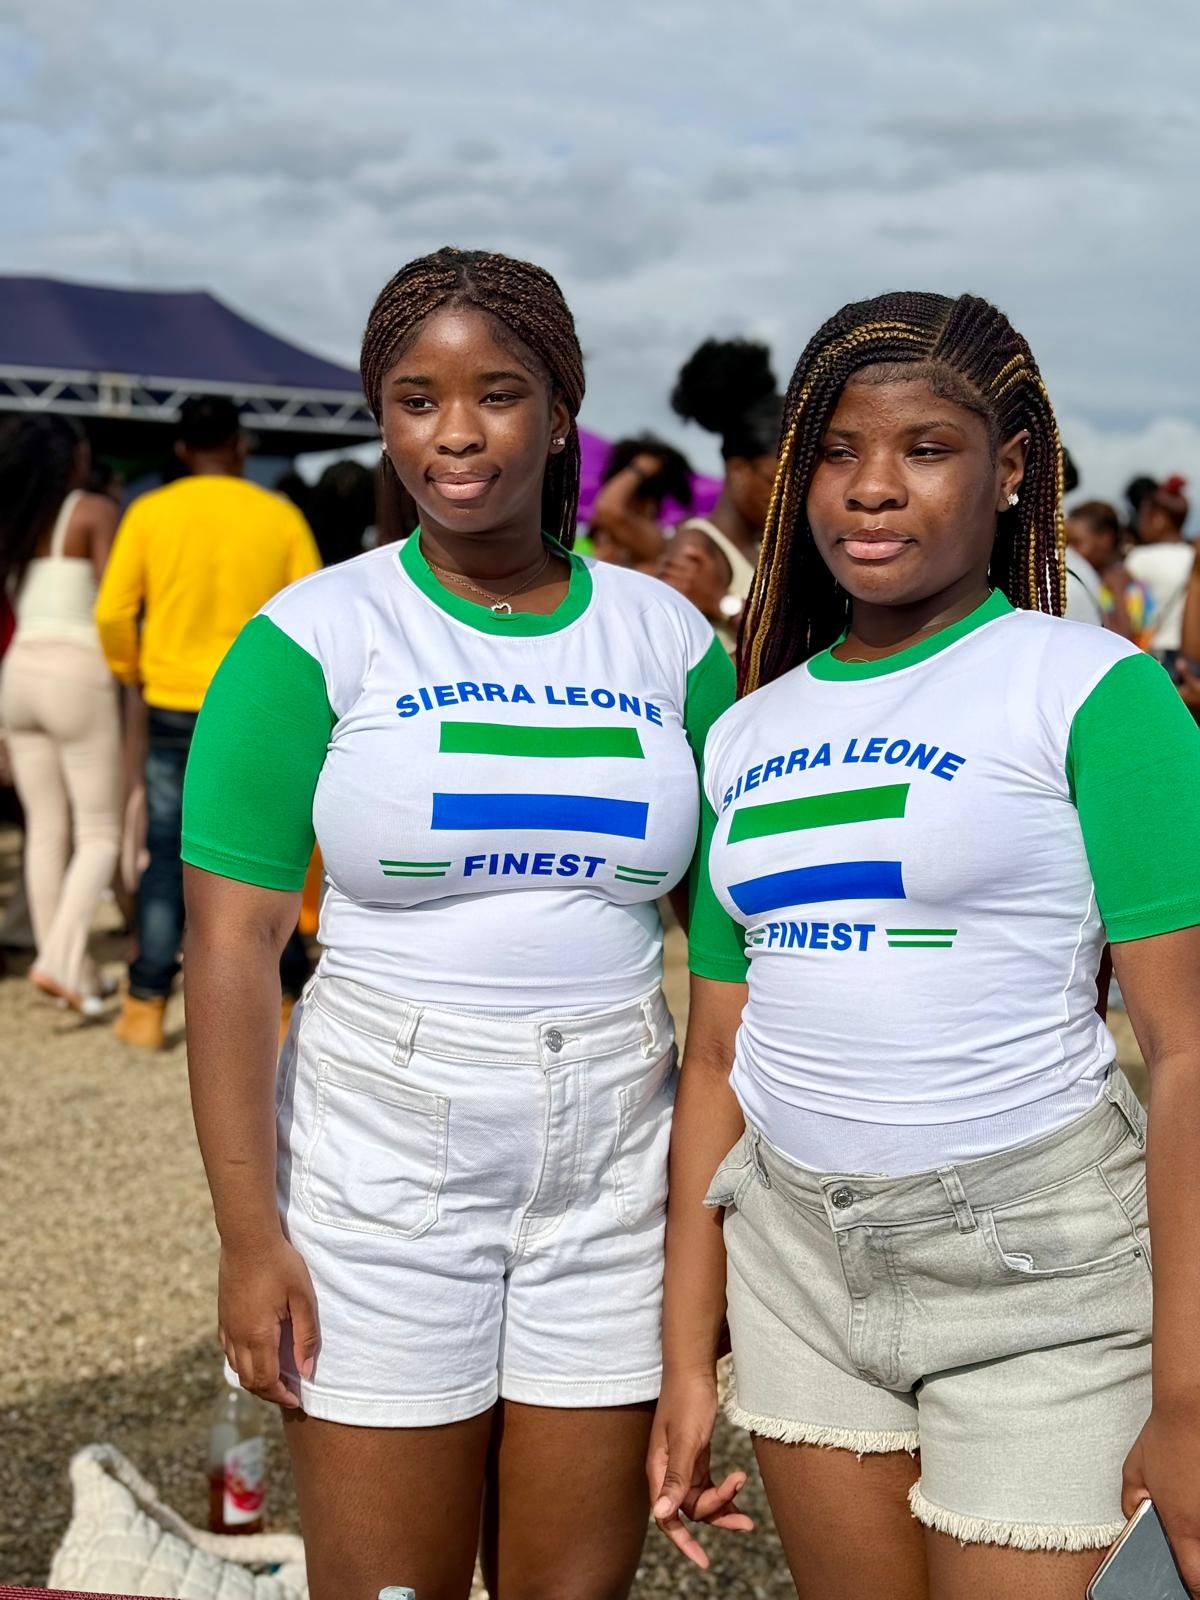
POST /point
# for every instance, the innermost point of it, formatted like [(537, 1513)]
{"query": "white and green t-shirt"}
[(499, 801), (924, 856)]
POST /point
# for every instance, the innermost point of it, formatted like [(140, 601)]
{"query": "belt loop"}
[(957, 1196), (650, 1042), (1117, 1092), (405, 1034), (756, 1155)]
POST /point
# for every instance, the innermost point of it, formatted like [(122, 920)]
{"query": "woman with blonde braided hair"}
[(442, 1211), (927, 816)]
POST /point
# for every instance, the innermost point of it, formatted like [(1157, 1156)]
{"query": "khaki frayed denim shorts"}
[(994, 1315)]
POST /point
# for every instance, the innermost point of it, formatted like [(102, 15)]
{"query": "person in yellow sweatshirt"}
[(192, 563)]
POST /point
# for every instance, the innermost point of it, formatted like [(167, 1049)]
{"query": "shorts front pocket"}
[(376, 1160), (730, 1177), (639, 1166), (1074, 1229)]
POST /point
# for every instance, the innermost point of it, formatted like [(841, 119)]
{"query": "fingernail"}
[(662, 1506)]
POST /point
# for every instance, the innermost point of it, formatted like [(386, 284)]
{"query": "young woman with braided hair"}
[(442, 1215), (927, 816)]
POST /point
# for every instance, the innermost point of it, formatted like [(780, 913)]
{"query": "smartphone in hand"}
[(1140, 1566)]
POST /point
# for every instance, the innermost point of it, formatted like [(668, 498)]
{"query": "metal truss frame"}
[(120, 396)]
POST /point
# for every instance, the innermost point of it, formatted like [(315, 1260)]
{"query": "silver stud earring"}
[(1014, 498), (558, 443)]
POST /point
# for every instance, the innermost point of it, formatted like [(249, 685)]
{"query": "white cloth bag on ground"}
[(123, 1540)]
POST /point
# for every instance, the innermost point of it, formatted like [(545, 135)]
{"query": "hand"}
[(677, 1466), (1164, 1465), (683, 568), (646, 465), (259, 1290)]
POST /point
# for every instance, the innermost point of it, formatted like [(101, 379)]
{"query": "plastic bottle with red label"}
[(237, 1463)]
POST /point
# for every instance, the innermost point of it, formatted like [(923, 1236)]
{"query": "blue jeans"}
[(160, 893)]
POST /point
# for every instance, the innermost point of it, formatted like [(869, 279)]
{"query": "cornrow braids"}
[(970, 353), (526, 304)]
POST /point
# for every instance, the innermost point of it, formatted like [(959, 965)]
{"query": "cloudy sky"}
[(684, 166)]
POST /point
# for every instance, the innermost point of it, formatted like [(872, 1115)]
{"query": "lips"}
[(460, 488), (874, 544)]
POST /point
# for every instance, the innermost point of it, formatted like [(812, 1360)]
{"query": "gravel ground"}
[(108, 1257), (108, 1261)]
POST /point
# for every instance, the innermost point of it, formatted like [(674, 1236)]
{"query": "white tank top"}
[(58, 592)]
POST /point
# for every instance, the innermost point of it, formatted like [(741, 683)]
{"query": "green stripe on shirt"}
[(819, 811), (509, 739)]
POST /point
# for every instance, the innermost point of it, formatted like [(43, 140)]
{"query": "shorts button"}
[(841, 1198), (554, 1040)]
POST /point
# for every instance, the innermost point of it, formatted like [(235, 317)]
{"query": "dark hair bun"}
[(721, 381)]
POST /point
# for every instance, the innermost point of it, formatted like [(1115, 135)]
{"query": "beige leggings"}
[(58, 704)]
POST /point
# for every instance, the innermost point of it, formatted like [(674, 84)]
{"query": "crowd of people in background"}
[(113, 625), (225, 700)]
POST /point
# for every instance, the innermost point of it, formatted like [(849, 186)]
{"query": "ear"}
[(1010, 468), (560, 425), (181, 451), (242, 448)]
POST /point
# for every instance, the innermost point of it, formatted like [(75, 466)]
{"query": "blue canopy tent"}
[(122, 361)]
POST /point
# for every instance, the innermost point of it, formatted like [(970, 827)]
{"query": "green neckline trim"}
[(522, 624), (828, 667)]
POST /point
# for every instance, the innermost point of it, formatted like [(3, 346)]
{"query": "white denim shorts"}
[(994, 1315), (480, 1202)]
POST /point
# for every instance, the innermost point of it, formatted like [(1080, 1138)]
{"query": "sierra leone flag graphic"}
[(534, 809), (829, 881)]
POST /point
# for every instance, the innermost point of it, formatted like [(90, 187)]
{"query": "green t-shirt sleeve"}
[(715, 942), (711, 690), (256, 755), (1133, 764)]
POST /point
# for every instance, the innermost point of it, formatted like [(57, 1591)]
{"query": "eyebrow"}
[(912, 428), (421, 380)]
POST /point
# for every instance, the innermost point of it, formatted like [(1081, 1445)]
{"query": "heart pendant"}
[(502, 609)]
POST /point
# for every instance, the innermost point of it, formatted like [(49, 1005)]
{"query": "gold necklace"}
[(499, 605)]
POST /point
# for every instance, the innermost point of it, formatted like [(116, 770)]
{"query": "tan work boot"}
[(142, 1022)]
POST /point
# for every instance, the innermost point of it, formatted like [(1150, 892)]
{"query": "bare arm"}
[(1117, 621), (616, 511), (1160, 979), (1190, 642), (708, 1121), (235, 933), (102, 519)]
